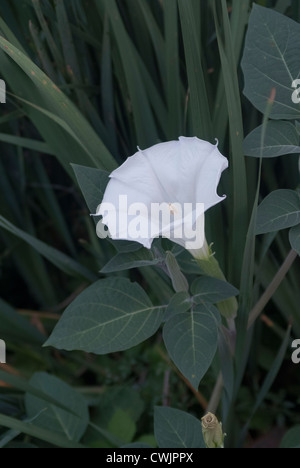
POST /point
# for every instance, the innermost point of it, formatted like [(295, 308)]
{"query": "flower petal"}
[(201, 167)]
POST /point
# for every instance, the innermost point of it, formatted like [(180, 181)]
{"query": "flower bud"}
[(212, 431)]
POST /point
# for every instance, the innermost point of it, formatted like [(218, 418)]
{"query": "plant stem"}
[(256, 311), (201, 400), (216, 396), (210, 267), (272, 288)]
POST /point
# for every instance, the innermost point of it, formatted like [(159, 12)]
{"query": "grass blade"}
[(59, 259), (238, 173), (108, 109), (143, 118), (173, 89), (16, 328), (24, 386), (201, 118), (56, 53), (55, 103), (28, 143), (42, 52)]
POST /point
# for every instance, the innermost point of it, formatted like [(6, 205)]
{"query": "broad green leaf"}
[(210, 267), (177, 429), (294, 236), (271, 60), (127, 260), (291, 439), (280, 138), (111, 315), (92, 183), (181, 302), (122, 426), (16, 328), (123, 398), (53, 418), (207, 289), (191, 339), (115, 400), (279, 210), (59, 259)]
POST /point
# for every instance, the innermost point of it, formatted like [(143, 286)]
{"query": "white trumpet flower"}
[(164, 191)]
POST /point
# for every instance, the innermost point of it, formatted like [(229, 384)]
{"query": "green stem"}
[(216, 395), (256, 311), (210, 267)]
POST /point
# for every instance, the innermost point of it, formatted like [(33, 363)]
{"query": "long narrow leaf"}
[(54, 103), (59, 259), (238, 172), (173, 74), (143, 117), (201, 117), (28, 143)]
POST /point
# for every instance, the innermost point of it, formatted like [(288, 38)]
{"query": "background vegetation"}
[(88, 82)]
